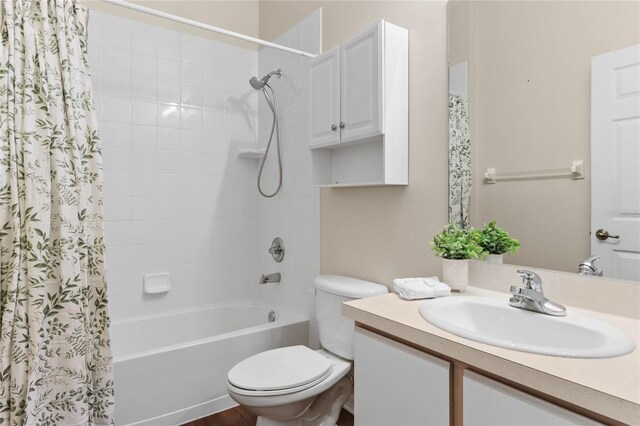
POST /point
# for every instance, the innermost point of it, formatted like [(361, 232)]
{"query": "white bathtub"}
[(172, 369)]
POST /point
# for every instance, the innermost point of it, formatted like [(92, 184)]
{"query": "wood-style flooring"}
[(238, 416)]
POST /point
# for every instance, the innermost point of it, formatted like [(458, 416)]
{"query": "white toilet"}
[(297, 385)]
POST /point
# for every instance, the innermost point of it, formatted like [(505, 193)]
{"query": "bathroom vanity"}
[(408, 371)]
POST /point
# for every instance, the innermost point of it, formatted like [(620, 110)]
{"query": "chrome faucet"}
[(588, 267), (531, 297), (270, 278)]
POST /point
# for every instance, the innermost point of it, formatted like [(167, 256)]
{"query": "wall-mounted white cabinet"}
[(359, 110), (482, 396), (324, 104), (361, 89), (398, 385)]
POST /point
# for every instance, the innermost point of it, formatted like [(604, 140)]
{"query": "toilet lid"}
[(278, 369)]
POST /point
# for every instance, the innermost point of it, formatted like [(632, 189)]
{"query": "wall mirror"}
[(544, 128)]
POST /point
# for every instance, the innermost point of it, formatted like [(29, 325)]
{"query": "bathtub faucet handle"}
[(270, 278), (277, 249)]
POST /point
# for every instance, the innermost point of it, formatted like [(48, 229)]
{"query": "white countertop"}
[(610, 386)]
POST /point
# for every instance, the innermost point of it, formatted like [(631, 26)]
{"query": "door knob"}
[(334, 127), (602, 235), (342, 125)]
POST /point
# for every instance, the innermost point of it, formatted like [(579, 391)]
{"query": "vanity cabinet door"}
[(487, 402), (324, 101), (398, 385)]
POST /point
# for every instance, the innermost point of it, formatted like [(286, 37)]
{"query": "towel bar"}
[(575, 172)]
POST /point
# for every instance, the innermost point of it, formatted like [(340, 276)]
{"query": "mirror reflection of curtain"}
[(459, 161)]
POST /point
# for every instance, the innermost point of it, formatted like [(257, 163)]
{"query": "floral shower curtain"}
[(55, 359), (459, 162)]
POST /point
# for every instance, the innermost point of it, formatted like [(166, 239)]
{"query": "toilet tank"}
[(336, 331)]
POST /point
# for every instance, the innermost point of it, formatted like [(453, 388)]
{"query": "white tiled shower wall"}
[(173, 108), (293, 214)]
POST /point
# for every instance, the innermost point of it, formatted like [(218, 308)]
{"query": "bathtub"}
[(172, 369)]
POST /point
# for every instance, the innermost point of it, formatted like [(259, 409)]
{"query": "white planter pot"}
[(455, 273), (494, 258)]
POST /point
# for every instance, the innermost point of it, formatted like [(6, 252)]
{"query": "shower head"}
[(258, 84)]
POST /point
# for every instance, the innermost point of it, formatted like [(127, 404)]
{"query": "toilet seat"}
[(267, 401), (279, 371)]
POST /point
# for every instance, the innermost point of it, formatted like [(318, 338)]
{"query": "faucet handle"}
[(518, 293), (591, 263), (530, 279), (588, 267)]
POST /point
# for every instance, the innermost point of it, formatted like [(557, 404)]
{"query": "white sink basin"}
[(493, 321)]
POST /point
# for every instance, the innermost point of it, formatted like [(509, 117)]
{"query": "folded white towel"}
[(420, 288)]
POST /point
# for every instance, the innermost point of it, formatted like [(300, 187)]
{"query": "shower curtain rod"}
[(197, 24)]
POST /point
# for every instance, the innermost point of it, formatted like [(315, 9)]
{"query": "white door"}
[(361, 85), (615, 162), (324, 98)]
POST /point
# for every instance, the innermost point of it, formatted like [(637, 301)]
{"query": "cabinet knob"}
[(342, 124), (334, 127)]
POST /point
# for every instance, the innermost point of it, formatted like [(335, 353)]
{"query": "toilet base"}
[(323, 411)]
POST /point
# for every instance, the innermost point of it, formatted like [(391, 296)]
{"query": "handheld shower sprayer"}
[(263, 84), (259, 83)]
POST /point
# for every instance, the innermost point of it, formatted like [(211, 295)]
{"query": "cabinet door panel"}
[(324, 108), (487, 402), (361, 86), (398, 385)]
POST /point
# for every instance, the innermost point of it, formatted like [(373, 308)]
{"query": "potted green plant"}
[(496, 242), (456, 246)]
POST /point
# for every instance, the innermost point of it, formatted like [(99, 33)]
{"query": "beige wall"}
[(235, 15), (383, 233), (460, 17), (530, 78), (372, 233)]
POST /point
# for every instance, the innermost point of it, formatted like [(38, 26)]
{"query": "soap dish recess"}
[(156, 283)]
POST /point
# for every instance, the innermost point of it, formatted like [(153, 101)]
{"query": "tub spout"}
[(270, 278)]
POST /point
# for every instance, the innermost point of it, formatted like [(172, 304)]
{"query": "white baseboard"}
[(349, 405), (203, 410), (189, 414)]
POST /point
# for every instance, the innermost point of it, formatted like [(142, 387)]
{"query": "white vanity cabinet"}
[(398, 385), (358, 110), (490, 403), (395, 384)]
